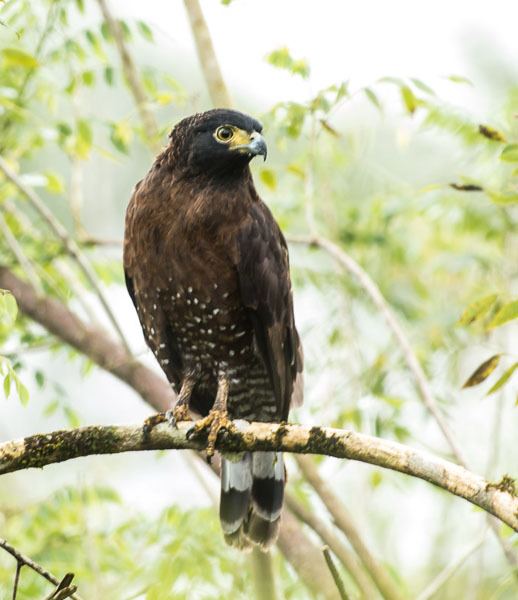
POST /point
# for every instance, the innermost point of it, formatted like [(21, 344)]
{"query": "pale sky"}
[(358, 41)]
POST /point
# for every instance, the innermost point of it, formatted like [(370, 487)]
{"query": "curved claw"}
[(214, 422), (178, 414)]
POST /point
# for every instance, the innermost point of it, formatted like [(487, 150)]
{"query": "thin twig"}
[(151, 131), (26, 561), (19, 566), (75, 197), (334, 572), (330, 538), (64, 589), (69, 244), (43, 273), (372, 289), (433, 587), (18, 252), (367, 283), (50, 20), (344, 522)]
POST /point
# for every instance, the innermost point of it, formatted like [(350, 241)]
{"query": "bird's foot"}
[(151, 422), (214, 422), (180, 412)]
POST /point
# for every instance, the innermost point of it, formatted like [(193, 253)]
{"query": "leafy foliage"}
[(417, 190), (162, 557)]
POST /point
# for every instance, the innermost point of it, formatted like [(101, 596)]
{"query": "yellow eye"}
[(224, 133)]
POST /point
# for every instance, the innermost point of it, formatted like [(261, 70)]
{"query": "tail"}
[(252, 492)]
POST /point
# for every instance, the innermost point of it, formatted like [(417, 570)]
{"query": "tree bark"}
[(499, 499), (209, 63)]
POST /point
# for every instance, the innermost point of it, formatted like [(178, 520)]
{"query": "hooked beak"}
[(257, 146)]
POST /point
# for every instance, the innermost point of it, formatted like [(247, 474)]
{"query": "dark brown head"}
[(216, 142)]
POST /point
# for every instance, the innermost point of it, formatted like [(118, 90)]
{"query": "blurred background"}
[(393, 134)]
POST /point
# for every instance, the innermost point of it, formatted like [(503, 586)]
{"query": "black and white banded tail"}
[(252, 492)]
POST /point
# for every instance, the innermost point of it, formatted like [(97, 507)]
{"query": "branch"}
[(209, 63), (334, 572), (95, 343), (339, 548), (307, 560), (43, 449), (69, 244), (344, 522), (372, 289), (19, 254), (151, 131), (23, 560), (90, 340), (263, 575)]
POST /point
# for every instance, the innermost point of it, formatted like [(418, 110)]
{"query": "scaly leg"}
[(217, 417), (180, 411)]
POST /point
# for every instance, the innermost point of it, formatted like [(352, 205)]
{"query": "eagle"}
[(207, 269)]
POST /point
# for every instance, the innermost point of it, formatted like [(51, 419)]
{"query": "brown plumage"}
[(207, 269)]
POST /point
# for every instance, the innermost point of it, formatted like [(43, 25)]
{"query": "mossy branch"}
[(44, 449)]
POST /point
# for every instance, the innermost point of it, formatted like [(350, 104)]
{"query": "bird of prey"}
[(207, 269)]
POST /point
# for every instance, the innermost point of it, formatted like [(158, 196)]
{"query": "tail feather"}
[(236, 488), (252, 492)]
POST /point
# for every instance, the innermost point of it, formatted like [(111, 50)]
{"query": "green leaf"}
[(72, 417), (84, 138), (510, 153), (22, 391), (478, 309), (503, 379), (109, 75), (96, 44), (422, 86), (8, 310), (507, 312), (459, 79), (105, 32), (296, 170), (329, 128), (39, 376), (394, 80), (64, 129), (482, 372), (54, 182), (121, 135), (282, 59), (145, 30), (51, 408), (503, 198), (88, 78), (19, 58), (269, 178), (91, 37), (373, 98), (342, 90), (7, 384), (376, 478), (126, 31), (409, 99)]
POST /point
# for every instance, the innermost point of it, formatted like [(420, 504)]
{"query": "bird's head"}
[(217, 141)]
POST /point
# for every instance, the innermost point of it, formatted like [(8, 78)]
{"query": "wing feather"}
[(265, 287)]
